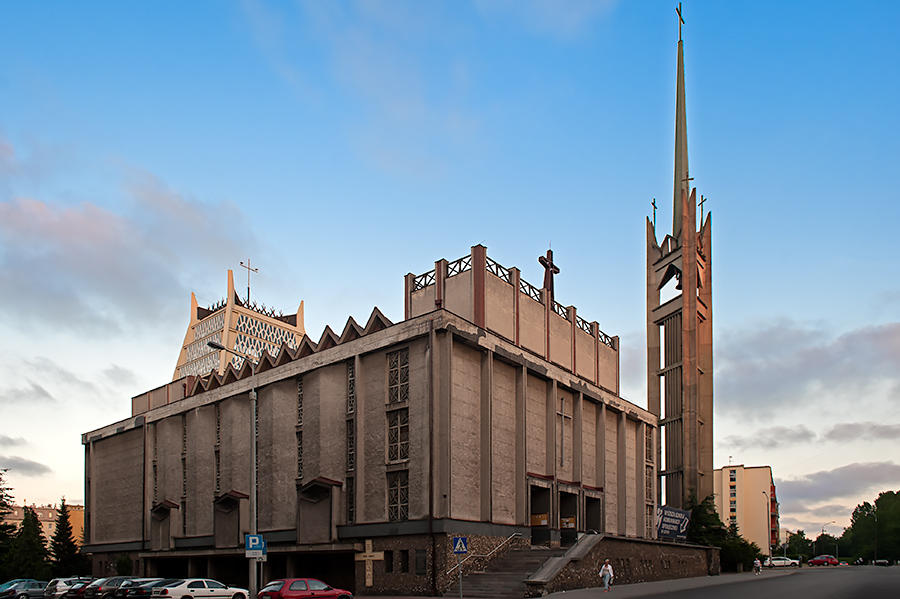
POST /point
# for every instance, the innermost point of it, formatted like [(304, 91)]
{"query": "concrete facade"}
[(470, 417), (746, 496)]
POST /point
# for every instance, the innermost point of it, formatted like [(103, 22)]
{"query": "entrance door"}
[(593, 514), (568, 518), (540, 516)]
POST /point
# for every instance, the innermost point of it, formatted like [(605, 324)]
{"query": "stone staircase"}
[(505, 576)]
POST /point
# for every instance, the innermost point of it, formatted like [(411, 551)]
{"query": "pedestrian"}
[(757, 566), (606, 573)]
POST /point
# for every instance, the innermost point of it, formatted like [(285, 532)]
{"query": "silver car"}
[(58, 587)]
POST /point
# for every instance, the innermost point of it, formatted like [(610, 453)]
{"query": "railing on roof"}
[(459, 266), (605, 339), (264, 310), (423, 280), (498, 270), (530, 290), (560, 309), (217, 305), (583, 325)]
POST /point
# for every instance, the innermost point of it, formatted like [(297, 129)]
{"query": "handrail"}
[(489, 554)]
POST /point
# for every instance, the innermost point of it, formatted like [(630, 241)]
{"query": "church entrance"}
[(593, 514), (540, 515), (568, 518)]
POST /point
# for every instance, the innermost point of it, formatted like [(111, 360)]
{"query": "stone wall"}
[(633, 560)]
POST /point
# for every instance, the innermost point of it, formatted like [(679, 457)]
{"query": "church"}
[(491, 411)]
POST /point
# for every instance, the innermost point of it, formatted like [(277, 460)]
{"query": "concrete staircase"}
[(505, 576)]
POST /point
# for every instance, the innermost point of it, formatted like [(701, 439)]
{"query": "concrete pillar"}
[(479, 268), (360, 421), (487, 371), (522, 516), (515, 276), (600, 457), (407, 296), (621, 489), (577, 426)]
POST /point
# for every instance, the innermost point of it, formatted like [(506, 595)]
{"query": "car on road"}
[(9, 583), (27, 589), (823, 560), (145, 589), (104, 588), (76, 591), (200, 588), (58, 587), (778, 561), (301, 588)]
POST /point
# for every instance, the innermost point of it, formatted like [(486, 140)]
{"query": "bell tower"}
[(679, 332)]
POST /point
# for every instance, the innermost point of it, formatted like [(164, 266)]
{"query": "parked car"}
[(301, 588), (27, 589), (778, 561), (76, 591), (189, 588), (823, 560), (104, 588), (145, 589), (58, 587), (881, 562), (9, 583), (132, 583)]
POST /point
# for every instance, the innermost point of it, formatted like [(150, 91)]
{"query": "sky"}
[(147, 148)]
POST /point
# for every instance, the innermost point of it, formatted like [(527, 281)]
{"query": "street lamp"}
[(768, 525), (251, 588), (823, 531)]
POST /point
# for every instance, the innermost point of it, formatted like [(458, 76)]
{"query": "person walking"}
[(606, 573), (757, 566)]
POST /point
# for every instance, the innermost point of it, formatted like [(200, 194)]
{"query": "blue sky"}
[(145, 149)]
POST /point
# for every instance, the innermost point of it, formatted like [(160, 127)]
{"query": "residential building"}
[(745, 495)]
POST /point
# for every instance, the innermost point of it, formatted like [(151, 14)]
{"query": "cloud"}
[(771, 438), (46, 369), (31, 393), (549, 17), (851, 480), (23, 466), (785, 363), (11, 441), (862, 431), (94, 271), (119, 375)]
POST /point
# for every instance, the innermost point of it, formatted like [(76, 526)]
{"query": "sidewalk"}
[(641, 589)]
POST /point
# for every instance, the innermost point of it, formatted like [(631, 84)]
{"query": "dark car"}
[(131, 584), (104, 588), (76, 591), (58, 587), (301, 588), (27, 589), (145, 589), (823, 560)]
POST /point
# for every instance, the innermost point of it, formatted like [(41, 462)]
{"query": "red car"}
[(301, 588), (823, 560)]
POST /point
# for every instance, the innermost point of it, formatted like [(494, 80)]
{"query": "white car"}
[(777, 561), (199, 588)]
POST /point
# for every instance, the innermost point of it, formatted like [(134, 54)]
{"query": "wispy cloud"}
[(119, 375), (771, 438), (862, 431), (548, 17), (6, 441), (785, 363), (99, 268), (24, 466), (851, 480), (28, 394)]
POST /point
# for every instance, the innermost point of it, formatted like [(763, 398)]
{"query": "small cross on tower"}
[(249, 270), (701, 202), (550, 269), (653, 203)]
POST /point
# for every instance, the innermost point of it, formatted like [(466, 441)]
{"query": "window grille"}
[(351, 500), (398, 495), (648, 483), (299, 401), (649, 520), (299, 454), (398, 376), (351, 388), (351, 445), (398, 435), (218, 448), (649, 449)]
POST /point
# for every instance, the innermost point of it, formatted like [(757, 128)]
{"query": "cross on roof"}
[(249, 270), (653, 203), (680, 20), (550, 269), (701, 202)]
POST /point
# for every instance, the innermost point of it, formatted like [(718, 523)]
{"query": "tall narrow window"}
[(351, 444), (299, 427), (218, 448), (351, 500), (398, 376), (351, 388), (299, 401), (398, 495), (649, 450), (398, 435), (648, 483), (649, 521), (299, 454), (155, 464), (184, 475)]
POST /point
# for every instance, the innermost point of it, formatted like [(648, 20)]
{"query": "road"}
[(864, 582)]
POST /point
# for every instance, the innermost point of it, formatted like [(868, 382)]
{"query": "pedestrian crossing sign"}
[(460, 545)]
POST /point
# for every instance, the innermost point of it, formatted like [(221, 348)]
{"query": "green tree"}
[(798, 546), (63, 550), (7, 531), (826, 544), (706, 528), (29, 549)]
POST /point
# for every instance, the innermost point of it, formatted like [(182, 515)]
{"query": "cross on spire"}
[(701, 202), (550, 269), (680, 20), (653, 203), (249, 270)]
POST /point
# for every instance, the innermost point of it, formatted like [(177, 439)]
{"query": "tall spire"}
[(682, 182)]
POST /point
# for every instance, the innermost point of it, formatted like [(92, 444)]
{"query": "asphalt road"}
[(864, 582)]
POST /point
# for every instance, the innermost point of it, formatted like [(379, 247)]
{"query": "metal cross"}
[(562, 429), (702, 201), (249, 270), (550, 269), (680, 20), (653, 203)]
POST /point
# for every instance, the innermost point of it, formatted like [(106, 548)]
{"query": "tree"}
[(706, 528), (7, 531), (63, 550), (798, 546), (29, 549)]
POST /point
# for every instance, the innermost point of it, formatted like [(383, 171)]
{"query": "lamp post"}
[(768, 525), (251, 587), (823, 531)]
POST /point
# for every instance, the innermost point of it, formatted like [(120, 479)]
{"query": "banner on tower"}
[(672, 523)]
